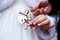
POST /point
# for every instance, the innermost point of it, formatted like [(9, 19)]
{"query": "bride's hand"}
[(41, 21), (42, 7)]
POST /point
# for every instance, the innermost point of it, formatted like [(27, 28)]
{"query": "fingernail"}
[(39, 24)]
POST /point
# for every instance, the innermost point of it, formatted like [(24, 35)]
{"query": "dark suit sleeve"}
[(55, 5)]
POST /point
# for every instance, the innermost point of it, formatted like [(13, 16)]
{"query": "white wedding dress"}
[(10, 27), (5, 4)]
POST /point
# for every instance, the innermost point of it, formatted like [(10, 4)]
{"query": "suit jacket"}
[(55, 7)]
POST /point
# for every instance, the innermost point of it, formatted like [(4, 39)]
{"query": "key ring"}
[(28, 18)]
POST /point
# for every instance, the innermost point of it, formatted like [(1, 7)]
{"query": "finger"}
[(41, 10), (36, 18), (47, 21), (44, 11), (30, 24), (51, 25), (34, 7), (47, 9), (48, 26), (45, 27), (40, 4), (36, 12), (39, 20)]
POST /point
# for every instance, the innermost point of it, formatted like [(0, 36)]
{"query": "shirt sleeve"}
[(51, 32)]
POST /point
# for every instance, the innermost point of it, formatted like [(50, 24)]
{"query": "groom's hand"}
[(42, 7)]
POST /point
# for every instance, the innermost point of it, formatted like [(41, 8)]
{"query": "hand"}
[(42, 7), (41, 21)]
